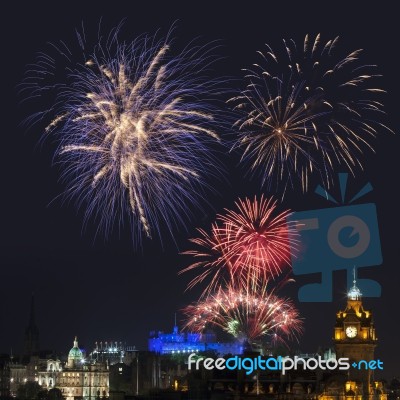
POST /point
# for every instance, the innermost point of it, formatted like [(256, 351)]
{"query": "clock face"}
[(351, 331)]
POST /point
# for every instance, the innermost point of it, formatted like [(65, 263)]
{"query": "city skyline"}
[(98, 289)]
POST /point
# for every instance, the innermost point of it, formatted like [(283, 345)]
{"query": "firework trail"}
[(247, 315), (246, 246), (306, 109), (135, 128)]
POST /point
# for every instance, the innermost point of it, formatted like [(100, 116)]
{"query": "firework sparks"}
[(260, 237), (246, 246), (306, 111), (135, 132), (247, 315)]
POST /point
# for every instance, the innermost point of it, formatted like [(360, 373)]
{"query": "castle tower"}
[(31, 342), (355, 338)]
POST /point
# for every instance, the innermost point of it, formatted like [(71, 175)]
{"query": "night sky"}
[(104, 289)]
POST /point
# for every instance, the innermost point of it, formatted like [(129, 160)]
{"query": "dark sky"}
[(104, 290)]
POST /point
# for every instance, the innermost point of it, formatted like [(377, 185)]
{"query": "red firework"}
[(249, 315), (260, 238), (214, 255), (246, 246)]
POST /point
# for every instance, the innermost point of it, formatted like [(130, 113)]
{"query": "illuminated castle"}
[(181, 343)]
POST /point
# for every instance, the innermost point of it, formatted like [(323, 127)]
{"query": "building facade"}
[(18, 376), (4, 376), (113, 353), (78, 378)]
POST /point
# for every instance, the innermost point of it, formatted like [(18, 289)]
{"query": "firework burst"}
[(246, 246), (247, 315), (135, 129), (305, 110)]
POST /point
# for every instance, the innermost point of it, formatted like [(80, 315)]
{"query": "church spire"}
[(31, 332), (32, 311), (354, 293)]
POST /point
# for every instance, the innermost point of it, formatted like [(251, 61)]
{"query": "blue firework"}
[(135, 127)]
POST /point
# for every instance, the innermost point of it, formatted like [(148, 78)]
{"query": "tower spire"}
[(175, 326), (32, 311), (354, 293), (31, 332)]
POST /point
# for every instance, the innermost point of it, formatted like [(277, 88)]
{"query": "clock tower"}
[(355, 337)]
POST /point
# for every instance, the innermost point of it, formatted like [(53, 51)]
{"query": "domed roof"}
[(354, 293), (75, 353)]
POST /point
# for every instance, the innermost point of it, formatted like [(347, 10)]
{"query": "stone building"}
[(78, 378)]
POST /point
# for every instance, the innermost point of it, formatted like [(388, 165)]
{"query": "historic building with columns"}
[(78, 378)]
